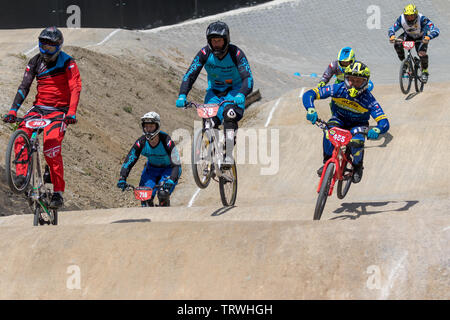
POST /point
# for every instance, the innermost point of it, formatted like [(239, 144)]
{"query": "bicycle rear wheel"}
[(201, 159), (228, 186), (405, 76), (323, 192), (18, 162)]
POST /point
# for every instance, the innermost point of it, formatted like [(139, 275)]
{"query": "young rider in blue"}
[(229, 78), (163, 163), (352, 106), (416, 27)]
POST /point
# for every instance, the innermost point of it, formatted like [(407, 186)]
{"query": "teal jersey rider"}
[(163, 165), (229, 79)]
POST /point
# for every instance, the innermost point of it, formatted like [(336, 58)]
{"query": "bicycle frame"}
[(340, 141), (207, 112)]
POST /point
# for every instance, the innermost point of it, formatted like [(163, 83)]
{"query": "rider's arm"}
[(132, 157), (194, 70), (316, 94), (74, 81), (24, 88), (429, 28), (397, 25), (175, 161), (329, 72), (379, 116), (244, 71)]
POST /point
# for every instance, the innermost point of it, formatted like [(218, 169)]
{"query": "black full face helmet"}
[(50, 43), (218, 29)]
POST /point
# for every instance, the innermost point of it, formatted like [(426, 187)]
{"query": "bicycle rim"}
[(18, 162), (323, 192), (201, 159), (405, 76), (228, 186)]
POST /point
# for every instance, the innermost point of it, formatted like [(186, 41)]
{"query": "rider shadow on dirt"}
[(387, 138), (221, 211), (363, 208), (132, 221)]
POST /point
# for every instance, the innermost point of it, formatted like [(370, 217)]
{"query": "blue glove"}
[(122, 184), (373, 133), (168, 184), (181, 101), (239, 99), (311, 115)]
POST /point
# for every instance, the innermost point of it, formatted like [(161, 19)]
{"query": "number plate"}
[(207, 111), (408, 45), (143, 193), (339, 137), (37, 123)]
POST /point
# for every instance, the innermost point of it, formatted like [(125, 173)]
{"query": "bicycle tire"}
[(402, 74), (229, 200), (418, 83), (55, 217), (323, 192), (196, 152), (344, 185), (10, 170), (37, 220)]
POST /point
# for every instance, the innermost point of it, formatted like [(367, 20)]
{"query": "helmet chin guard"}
[(151, 117)]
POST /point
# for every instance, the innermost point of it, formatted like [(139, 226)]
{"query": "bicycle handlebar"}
[(324, 126), (403, 40), (191, 104)]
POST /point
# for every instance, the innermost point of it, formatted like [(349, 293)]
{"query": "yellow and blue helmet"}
[(356, 70), (411, 14), (346, 56)]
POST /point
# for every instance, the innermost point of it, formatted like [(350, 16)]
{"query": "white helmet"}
[(151, 117)]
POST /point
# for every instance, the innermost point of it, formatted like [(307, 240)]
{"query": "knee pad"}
[(231, 116)]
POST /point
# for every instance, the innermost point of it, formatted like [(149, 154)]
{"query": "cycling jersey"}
[(422, 27)]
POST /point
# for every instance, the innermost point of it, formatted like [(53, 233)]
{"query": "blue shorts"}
[(151, 176), (211, 97)]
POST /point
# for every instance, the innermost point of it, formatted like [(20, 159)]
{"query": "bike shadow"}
[(387, 138), (132, 221), (411, 95), (222, 211), (362, 208)]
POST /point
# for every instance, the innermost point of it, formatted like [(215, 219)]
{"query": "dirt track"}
[(388, 239)]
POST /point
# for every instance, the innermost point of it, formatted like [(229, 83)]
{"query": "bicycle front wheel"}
[(18, 162), (201, 159), (323, 192), (228, 186), (405, 76), (344, 185)]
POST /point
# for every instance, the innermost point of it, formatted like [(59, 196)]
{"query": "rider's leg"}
[(357, 149), (53, 137), (149, 178), (164, 194), (398, 46), (422, 52), (231, 116)]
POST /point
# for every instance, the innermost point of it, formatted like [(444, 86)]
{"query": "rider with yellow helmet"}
[(416, 27), (352, 106)]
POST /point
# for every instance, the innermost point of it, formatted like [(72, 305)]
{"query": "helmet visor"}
[(410, 18), (345, 64), (356, 82), (48, 48)]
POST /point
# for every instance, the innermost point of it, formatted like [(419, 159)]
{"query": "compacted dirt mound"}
[(116, 92)]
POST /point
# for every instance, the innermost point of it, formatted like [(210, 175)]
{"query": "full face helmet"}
[(346, 56), (356, 78), (218, 29), (411, 14), (151, 117), (50, 43)]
